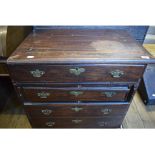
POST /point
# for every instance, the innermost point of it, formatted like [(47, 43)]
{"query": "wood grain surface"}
[(75, 94), (76, 110), (80, 46), (62, 73)]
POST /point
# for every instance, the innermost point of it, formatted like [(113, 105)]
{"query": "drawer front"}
[(77, 122), (77, 73), (75, 94), (71, 110)]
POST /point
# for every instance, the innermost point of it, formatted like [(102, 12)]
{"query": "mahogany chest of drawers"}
[(77, 78)]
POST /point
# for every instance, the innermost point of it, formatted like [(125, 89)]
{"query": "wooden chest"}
[(77, 78)]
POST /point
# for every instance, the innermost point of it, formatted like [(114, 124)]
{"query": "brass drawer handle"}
[(76, 71), (109, 94), (43, 94), (50, 124), (37, 73), (46, 112), (76, 121), (103, 124), (117, 73), (106, 111), (76, 93), (77, 109)]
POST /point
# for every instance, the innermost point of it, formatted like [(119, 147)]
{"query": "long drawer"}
[(76, 110), (47, 94), (76, 73), (77, 122)]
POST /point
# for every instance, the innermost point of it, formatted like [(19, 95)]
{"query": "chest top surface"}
[(80, 46)]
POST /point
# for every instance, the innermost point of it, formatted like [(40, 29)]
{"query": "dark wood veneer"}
[(92, 73), (80, 46), (76, 110), (77, 78), (75, 94)]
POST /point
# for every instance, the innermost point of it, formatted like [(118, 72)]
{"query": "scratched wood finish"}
[(138, 115), (37, 94), (91, 73), (80, 46), (55, 57)]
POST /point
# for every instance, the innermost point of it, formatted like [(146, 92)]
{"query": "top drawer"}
[(76, 73)]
